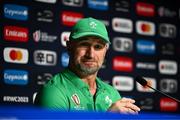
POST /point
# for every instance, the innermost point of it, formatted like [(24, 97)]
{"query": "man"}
[(78, 87)]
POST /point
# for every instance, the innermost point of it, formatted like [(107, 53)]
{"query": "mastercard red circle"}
[(13, 54)]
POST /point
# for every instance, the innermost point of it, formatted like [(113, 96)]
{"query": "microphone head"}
[(141, 80)]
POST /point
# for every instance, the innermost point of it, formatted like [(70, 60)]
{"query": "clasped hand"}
[(124, 105)]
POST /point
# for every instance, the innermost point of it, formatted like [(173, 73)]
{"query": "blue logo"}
[(98, 4), (15, 12), (16, 77), (65, 59), (145, 47)]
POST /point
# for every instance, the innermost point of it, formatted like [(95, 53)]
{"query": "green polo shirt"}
[(66, 91)]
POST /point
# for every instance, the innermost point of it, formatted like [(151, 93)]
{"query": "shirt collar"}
[(74, 79), (78, 82)]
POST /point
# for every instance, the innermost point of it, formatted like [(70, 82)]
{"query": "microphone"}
[(144, 83)]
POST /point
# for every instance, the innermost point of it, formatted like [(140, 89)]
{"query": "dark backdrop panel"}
[(144, 38)]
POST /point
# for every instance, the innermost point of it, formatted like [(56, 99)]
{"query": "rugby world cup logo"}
[(75, 99)]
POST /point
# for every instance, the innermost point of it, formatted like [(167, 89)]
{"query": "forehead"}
[(91, 39)]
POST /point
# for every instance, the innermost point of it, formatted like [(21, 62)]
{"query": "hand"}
[(124, 105)]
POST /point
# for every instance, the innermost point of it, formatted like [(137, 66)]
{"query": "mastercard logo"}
[(16, 55), (151, 82), (145, 28)]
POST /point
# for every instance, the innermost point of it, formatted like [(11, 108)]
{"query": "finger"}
[(132, 111), (128, 111), (128, 100), (132, 106)]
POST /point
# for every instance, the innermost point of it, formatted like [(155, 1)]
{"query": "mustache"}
[(88, 60)]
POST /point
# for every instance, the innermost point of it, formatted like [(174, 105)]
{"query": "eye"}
[(98, 46), (83, 44)]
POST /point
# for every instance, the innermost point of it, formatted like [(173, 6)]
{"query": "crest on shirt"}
[(75, 99), (108, 101)]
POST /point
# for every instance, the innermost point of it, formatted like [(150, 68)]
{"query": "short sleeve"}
[(116, 96)]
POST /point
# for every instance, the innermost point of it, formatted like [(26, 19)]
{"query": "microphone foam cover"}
[(141, 80)]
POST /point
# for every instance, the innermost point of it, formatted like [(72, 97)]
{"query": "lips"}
[(89, 63)]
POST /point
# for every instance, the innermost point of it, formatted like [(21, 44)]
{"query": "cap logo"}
[(93, 25)]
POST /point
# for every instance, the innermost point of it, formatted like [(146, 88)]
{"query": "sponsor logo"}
[(16, 55), (16, 77), (122, 44), (14, 33), (167, 30), (122, 5), (64, 38), (106, 22), (167, 104), (150, 81), (45, 57), (122, 64), (123, 83), (146, 65), (167, 49), (145, 47), (45, 16), (38, 35), (74, 3), (168, 67), (16, 99), (145, 28), (145, 9), (98, 4), (43, 78), (166, 12), (16, 12), (65, 59), (70, 18), (169, 85), (146, 103), (122, 25), (47, 1)]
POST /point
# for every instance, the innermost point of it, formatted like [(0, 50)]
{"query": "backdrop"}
[(144, 38)]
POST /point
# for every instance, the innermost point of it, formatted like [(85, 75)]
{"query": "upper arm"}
[(115, 95)]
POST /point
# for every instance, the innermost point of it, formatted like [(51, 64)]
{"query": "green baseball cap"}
[(89, 27)]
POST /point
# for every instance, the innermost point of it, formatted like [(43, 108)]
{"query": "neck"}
[(90, 80)]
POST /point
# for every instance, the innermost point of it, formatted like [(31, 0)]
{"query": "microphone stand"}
[(164, 93)]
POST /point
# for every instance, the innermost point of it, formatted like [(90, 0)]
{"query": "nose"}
[(89, 52)]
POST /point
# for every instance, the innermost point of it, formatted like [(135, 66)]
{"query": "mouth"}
[(89, 63)]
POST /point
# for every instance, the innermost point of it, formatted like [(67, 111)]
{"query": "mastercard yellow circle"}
[(19, 55)]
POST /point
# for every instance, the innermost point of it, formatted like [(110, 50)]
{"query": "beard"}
[(87, 70)]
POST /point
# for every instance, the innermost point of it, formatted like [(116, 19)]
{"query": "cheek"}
[(101, 56), (78, 54)]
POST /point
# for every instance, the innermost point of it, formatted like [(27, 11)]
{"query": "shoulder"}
[(106, 86), (52, 93), (109, 89), (56, 81)]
